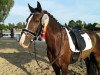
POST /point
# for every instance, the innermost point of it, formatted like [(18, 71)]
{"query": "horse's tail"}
[(91, 65)]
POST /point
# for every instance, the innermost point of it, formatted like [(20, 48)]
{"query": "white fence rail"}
[(16, 35)]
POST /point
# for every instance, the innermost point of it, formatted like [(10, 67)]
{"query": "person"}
[(1, 33), (12, 33)]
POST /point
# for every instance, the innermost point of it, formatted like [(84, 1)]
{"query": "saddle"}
[(77, 39)]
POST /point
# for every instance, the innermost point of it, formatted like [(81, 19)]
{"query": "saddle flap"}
[(77, 39), (74, 46)]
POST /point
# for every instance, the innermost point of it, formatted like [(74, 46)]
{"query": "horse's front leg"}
[(98, 71), (56, 69), (98, 68), (64, 69)]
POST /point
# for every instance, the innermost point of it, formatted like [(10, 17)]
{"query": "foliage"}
[(82, 25), (2, 27), (79, 23), (20, 25), (65, 24), (97, 29), (5, 6), (10, 26), (71, 23)]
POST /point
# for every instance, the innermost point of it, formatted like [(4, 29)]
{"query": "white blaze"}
[(29, 21), (22, 39)]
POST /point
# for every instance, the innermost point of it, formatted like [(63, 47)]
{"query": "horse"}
[(40, 22)]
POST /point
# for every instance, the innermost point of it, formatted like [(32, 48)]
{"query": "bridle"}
[(28, 31), (35, 34), (38, 31)]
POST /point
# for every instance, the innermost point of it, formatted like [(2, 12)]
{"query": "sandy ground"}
[(15, 60)]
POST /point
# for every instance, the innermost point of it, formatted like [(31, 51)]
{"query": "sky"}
[(62, 10)]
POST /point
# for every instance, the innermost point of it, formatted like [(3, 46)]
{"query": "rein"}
[(36, 34), (36, 56)]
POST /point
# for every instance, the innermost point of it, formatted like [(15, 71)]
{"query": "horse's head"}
[(35, 24)]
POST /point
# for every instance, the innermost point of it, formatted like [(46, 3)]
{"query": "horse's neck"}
[(52, 36), (53, 25), (52, 30)]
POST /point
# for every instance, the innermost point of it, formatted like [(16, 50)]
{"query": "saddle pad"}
[(86, 38)]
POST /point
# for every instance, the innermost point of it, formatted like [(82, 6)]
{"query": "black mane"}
[(52, 17)]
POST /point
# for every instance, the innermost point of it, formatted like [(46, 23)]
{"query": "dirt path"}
[(15, 60)]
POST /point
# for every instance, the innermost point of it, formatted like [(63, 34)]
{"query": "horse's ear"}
[(45, 19), (31, 8), (39, 7)]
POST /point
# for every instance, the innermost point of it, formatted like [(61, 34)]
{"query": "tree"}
[(84, 25), (65, 24), (2, 26), (20, 25), (5, 6), (79, 23), (71, 23), (90, 26), (11, 28), (24, 25), (94, 24)]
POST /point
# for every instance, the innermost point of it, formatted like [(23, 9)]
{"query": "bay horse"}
[(58, 50)]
